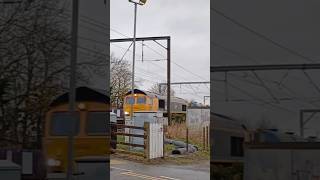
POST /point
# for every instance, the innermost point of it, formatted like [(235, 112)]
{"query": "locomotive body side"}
[(146, 101), (91, 136)]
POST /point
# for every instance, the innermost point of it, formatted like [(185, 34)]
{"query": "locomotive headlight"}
[(53, 162), (81, 106), (126, 113)]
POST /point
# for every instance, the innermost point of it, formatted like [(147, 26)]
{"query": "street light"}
[(140, 2), (136, 3)]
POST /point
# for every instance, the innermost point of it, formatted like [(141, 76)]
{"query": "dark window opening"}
[(184, 107), (62, 123), (237, 146), (161, 104), (97, 123)]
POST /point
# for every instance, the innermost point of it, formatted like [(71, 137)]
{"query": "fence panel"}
[(156, 140), (148, 140), (129, 134)]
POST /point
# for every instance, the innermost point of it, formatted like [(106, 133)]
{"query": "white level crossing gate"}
[(155, 140)]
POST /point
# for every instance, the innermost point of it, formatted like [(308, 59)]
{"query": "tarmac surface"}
[(128, 170)]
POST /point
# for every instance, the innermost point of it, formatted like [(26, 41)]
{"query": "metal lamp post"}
[(136, 3), (72, 91)]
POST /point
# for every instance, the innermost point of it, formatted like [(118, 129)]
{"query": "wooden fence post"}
[(146, 139), (204, 137), (207, 137), (164, 137), (187, 133)]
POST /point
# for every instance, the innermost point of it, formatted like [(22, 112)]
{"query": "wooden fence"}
[(205, 137), (118, 131)]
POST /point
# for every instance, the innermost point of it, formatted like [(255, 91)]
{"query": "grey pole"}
[(133, 56), (301, 124), (72, 91), (168, 80)]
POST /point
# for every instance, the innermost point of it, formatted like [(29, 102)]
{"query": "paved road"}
[(127, 170)]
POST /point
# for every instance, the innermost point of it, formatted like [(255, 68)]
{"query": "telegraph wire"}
[(289, 90), (161, 55), (188, 71), (259, 99), (280, 83), (262, 36), (231, 51)]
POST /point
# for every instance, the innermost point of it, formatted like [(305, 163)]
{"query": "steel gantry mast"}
[(168, 48)]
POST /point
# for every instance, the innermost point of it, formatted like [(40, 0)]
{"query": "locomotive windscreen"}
[(161, 104)]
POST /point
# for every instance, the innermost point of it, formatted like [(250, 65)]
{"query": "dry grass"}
[(178, 132)]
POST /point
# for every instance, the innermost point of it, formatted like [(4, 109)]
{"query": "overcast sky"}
[(188, 24), (293, 24)]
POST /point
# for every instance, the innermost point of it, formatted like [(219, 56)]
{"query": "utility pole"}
[(133, 57), (168, 81), (136, 3), (72, 91)]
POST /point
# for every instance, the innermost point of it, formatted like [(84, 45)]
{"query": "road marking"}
[(165, 177), (121, 169), (131, 173), (114, 162), (141, 176)]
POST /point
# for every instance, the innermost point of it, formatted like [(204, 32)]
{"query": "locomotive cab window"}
[(161, 103), (97, 123), (61, 123), (141, 100), (130, 100)]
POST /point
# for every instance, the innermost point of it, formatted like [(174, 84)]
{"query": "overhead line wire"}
[(262, 36)]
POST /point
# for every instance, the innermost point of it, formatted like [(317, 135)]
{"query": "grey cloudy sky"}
[(188, 24), (295, 25)]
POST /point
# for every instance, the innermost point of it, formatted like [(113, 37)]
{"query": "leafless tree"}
[(161, 90), (120, 80), (34, 64)]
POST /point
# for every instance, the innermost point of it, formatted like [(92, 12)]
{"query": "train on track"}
[(90, 134), (148, 101)]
